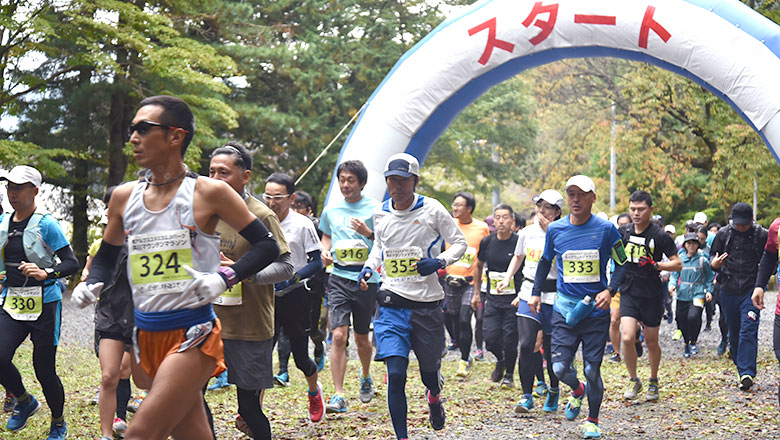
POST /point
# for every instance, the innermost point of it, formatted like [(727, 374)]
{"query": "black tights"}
[(689, 320), (529, 363), (252, 413)]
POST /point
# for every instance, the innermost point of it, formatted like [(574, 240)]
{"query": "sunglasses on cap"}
[(144, 126)]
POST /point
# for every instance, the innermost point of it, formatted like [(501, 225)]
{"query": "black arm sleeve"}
[(68, 263), (617, 277), (263, 252), (103, 264), (541, 275), (766, 268), (314, 266)]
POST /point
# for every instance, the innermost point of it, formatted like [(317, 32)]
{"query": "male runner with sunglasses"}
[(169, 219)]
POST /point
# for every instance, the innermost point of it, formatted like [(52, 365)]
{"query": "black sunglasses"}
[(144, 126)]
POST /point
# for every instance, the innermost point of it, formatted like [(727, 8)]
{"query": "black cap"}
[(742, 214), (691, 236)]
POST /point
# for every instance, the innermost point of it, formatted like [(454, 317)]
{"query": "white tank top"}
[(160, 243)]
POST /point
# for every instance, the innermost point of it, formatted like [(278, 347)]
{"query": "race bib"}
[(581, 266), (467, 260), (532, 258), (157, 261), (24, 303), (230, 297), (497, 277), (398, 264), (351, 252)]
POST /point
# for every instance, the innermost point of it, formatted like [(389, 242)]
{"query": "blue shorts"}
[(592, 332), (399, 330), (544, 317)]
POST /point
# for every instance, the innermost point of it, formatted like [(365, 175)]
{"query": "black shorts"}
[(648, 310), (591, 332), (114, 312), (345, 298)]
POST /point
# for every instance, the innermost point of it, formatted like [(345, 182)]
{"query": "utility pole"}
[(612, 165)]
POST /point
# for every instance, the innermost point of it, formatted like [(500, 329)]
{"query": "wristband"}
[(229, 275)]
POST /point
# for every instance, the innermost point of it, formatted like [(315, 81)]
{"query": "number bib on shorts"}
[(230, 297), (351, 252), (497, 277), (398, 264), (24, 303), (157, 261), (581, 266), (467, 260)]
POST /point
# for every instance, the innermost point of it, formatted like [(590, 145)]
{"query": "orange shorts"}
[(154, 347)]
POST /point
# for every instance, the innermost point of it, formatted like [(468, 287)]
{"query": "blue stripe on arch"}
[(421, 143)]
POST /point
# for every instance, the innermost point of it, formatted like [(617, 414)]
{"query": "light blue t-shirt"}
[(335, 221), (582, 253), (52, 234)]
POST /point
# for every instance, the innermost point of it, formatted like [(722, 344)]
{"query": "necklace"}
[(149, 181)]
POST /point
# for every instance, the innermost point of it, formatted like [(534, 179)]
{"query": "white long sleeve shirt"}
[(418, 231)]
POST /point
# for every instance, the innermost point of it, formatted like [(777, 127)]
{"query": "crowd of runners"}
[(196, 278)]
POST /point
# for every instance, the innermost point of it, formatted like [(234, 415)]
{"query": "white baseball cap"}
[(670, 228), (23, 174), (700, 218), (402, 164), (550, 196), (583, 182)]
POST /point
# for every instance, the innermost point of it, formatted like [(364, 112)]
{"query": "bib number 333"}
[(581, 266)]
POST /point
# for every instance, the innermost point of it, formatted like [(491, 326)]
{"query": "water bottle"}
[(580, 311), (752, 315)]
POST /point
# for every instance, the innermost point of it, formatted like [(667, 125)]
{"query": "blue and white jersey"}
[(416, 232), (582, 253)]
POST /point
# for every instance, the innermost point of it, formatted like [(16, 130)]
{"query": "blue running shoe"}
[(436, 415), (694, 350), (282, 379), (337, 404), (573, 406), (366, 389), (220, 381), (320, 361), (540, 390), (525, 405), (22, 413), (58, 431), (592, 430), (551, 404)]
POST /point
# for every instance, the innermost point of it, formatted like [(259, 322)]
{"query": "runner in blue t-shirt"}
[(347, 239), (582, 245)]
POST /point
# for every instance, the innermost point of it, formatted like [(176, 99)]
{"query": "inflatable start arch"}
[(723, 45)]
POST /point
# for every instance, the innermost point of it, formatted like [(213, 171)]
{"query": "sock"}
[(594, 420), (122, 397), (58, 420), (432, 398), (25, 398), (579, 391), (654, 380), (315, 392), (553, 390)]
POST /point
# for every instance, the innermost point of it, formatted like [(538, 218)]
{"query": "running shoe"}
[(220, 381), (22, 413), (525, 405), (119, 426), (677, 335), (615, 358), (10, 402), (694, 350), (366, 389), (632, 389), (58, 431), (708, 327), (724, 344), (540, 389), (498, 372), (640, 338), (337, 404), (745, 382), (316, 405), (610, 349), (243, 427), (507, 383), (436, 415), (551, 403), (320, 361), (453, 346), (96, 398), (134, 403), (282, 379), (464, 367), (592, 430), (652, 390), (573, 406), (479, 355), (687, 351)]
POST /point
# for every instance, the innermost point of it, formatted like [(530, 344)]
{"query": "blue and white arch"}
[(723, 45)]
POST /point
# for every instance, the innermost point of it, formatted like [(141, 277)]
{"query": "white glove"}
[(204, 286), (84, 295)]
